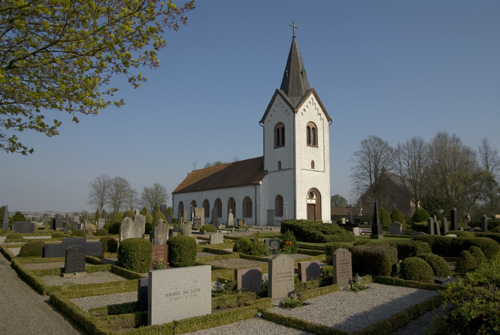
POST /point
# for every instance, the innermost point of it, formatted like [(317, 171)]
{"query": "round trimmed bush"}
[(79, 233), (208, 228), (114, 223), (109, 244), (101, 232), (57, 234), (128, 214), (478, 254), (14, 236), (466, 262), (420, 215), (385, 218), (135, 254), (397, 216), (289, 243), (439, 266), (182, 251), (32, 249), (243, 245), (414, 268)]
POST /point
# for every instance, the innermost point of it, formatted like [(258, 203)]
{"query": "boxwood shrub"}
[(101, 232), (182, 251), (32, 249), (478, 255), (243, 245), (317, 231), (57, 234), (135, 254), (210, 228), (465, 263), (410, 248), (374, 259), (78, 233), (331, 247), (439, 266), (109, 244), (414, 268), (453, 246)]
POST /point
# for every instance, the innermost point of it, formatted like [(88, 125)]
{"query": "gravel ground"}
[(352, 311), (235, 263), (82, 278), (87, 303)]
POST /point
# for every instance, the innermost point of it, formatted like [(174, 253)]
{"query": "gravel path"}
[(352, 311), (82, 278), (235, 263), (88, 303)]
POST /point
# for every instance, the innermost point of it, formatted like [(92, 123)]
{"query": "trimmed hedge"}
[(414, 268), (439, 266), (374, 259), (331, 247), (182, 251), (410, 248), (466, 263), (109, 244), (210, 228), (317, 231), (478, 255), (135, 254), (32, 249), (453, 246)]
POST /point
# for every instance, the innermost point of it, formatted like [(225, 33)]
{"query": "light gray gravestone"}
[(139, 225), (216, 238), (5, 223), (100, 223), (342, 267), (484, 221), (445, 225), (137, 212), (75, 259), (395, 228), (230, 218), (418, 233), (309, 271), (127, 229), (249, 279), (185, 228), (430, 226), (356, 231), (160, 233), (376, 227), (438, 227), (280, 277), (179, 293), (185, 216), (454, 219), (200, 212)]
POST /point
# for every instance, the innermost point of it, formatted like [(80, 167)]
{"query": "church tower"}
[(296, 147)]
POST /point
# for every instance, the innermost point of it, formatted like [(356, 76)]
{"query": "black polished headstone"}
[(75, 259), (376, 227), (142, 294), (23, 227), (454, 219)]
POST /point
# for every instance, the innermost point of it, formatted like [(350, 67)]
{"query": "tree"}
[(61, 55), (18, 216), (154, 196), (119, 193), (411, 162), (339, 201), (99, 189), (371, 161), (490, 163), (215, 163)]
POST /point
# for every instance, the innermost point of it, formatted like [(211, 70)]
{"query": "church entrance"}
[(313, 205)]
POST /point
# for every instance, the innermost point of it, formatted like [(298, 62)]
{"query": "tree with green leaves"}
[(339, 201), (18, 216), (61, 56)]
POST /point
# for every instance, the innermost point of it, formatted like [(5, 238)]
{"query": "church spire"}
[(294, 83)]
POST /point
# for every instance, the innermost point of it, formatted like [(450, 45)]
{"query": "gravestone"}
[(57, 222), (5, 223), (179, 293), (137, 212), (418, 233), (309, 271), (139, 225), (445, 226), (169, 219), (230, 218), (376, 227), (395, 228), (160, 233), (179, 218), (280, 277), (454, 219), (23, 227), (215, 214), (159, 254), (430, 226), (75, 259), (185, 216), (249, 279), (484, 221), (438, 227), (185, 228), (270, 217), (163, 209), (216, 238), (142, 294), (200, 212), (356, 231), (127, 229), (100, 223), (59, 250), (196, 222), (76, 219), (342, 267), (273, 245)]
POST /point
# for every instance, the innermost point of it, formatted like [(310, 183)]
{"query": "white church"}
[(291, 180)]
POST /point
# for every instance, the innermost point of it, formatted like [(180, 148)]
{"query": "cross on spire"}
[(293, 27)]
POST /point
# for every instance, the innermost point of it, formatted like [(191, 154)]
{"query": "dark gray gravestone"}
[(414, 235), (59, 250), (309, 271), (53, 250), (215, 214), (5, 223), (75, 259), (142, 294), (163, 209), (57, 222), (23, 227), (454, 219), (484, 221), (376, 227), (196, 222), (273, 245), (395, 228), (430, 226), (169, 219)]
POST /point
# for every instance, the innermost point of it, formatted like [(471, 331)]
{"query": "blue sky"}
[(395, 69)]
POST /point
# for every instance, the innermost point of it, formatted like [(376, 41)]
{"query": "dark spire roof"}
[(294, 83)]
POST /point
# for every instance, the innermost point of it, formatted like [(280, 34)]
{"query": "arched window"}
[(279, 165), (278, 206), (193, 206), (279, 135), (231, 204), (206, 207), (312, 134), (218, 206), (180, 210), (247, 207), (312, 165)]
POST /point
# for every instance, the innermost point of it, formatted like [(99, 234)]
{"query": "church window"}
[(247, 207), (278, 206), (231, 205), (279, 135), (312, 165), (206, 207), (180, 209), (193, 206), (218, 206), (279, 165), (312, 134)]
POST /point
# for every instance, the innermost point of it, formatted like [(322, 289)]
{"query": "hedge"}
[(317, 231), (453, 246), (373, 259), (410, 248)]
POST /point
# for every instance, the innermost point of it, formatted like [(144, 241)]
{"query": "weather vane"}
[(293, 27)]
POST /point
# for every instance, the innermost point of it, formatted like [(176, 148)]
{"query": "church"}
[(291, 179)]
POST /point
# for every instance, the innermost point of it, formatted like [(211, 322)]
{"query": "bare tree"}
[(490, 163), (98, 192), (371, 161), (411, 160), (119, 193), (153, 197)]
